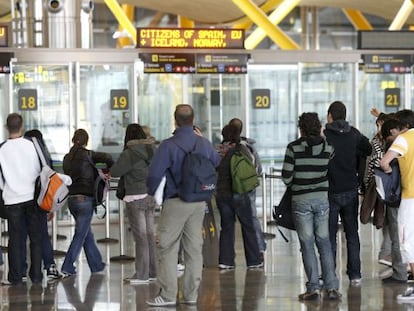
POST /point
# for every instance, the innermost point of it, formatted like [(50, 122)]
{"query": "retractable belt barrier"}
[(269, 179)]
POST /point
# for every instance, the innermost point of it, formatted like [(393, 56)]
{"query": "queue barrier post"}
[(113, 185), (122, 256)]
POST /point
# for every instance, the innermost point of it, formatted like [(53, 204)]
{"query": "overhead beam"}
[(184, 22), (129, 11), (122, 19), (402, 15), (357, 19), (260, 19), (257, 36)]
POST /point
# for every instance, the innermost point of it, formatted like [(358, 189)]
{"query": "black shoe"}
[(391, 280)]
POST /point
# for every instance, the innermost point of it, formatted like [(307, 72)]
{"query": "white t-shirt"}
[(20, 167)]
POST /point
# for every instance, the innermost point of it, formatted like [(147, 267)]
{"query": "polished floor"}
[(274, 288)]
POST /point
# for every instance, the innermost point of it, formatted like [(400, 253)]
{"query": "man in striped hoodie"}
[(305, 170)]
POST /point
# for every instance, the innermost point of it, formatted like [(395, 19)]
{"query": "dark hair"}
[(134, 131), (80, 138), (309, 124), (390, 124), (184, 115), (230, 133), (14, 122), (406, 117), (337, 110), (237, 123)]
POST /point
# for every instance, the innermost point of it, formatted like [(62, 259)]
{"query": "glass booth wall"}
[(272, 109), (42, 94), (105, 105), (324, 83), (215, 99), (372, 90)]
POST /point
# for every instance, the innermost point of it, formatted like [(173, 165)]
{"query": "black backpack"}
[(198, 176)]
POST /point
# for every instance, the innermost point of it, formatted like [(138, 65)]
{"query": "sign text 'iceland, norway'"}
[(190, 38)]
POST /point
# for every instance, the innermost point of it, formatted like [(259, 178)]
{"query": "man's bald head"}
[(184, 115)]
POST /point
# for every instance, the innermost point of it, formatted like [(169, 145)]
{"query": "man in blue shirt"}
[(179, 220)]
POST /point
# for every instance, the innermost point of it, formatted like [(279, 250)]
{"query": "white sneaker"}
[(356, 282), (408, 295), (159, 301), (180, 267)]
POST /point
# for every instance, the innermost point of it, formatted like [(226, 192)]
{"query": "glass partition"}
[(4, 107), (41, 93), (105, 105), (371, 88), (323, 83), (215, 99), (272, 109)]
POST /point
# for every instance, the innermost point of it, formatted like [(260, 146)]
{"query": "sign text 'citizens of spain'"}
[(190, 38)]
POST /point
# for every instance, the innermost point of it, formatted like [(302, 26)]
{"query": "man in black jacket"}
[(349, 145)]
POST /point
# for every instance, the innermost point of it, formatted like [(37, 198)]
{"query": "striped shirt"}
[(305, 167)]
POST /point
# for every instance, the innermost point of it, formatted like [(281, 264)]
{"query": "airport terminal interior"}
[(100, 65)]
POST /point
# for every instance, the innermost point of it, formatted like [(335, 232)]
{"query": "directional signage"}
[(190, 38), (168, 63), (222, 63), (376, 63)]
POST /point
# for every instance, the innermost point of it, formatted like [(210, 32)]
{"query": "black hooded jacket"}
[(349, 146)]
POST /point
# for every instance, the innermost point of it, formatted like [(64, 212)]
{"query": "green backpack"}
[(243, 172)]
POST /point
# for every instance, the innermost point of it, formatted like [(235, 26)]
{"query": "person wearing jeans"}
[(305, 171), (132, 167), (231, 205), (81, 208), (78, 164), (350, 147)]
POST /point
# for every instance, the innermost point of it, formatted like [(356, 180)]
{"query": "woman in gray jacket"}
[(132, 167)]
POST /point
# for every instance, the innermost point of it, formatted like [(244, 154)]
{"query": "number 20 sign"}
[(261, 98), (119, 100)]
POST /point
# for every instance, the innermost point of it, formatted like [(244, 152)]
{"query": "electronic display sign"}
[(385, 40), (222, 63), (168, 63), (4, 36), (190, 38), (5, 58), (398, 64)]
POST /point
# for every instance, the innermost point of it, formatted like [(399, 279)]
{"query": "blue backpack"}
[(198, 177), (388, 185)]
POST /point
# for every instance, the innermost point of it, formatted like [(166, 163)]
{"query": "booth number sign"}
[(392, 97), (27, 99), (261, 98), (119, 100)]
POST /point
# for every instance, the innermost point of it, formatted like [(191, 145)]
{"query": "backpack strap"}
[(39, 152)]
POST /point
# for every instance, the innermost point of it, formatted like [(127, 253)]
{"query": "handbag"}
[(370, 204), (282, 213), (120, 190)]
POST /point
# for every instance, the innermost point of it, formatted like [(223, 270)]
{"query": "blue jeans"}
[(22, 218), (229, 206), (81, 208), (256, 222), (346, 205), (312, 226)]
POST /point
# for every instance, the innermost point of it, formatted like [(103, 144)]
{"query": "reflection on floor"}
[(274, 288)]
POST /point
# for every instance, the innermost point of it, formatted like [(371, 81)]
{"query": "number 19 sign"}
[(119, 100)]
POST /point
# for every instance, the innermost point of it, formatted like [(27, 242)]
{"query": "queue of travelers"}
[(322, 168)]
